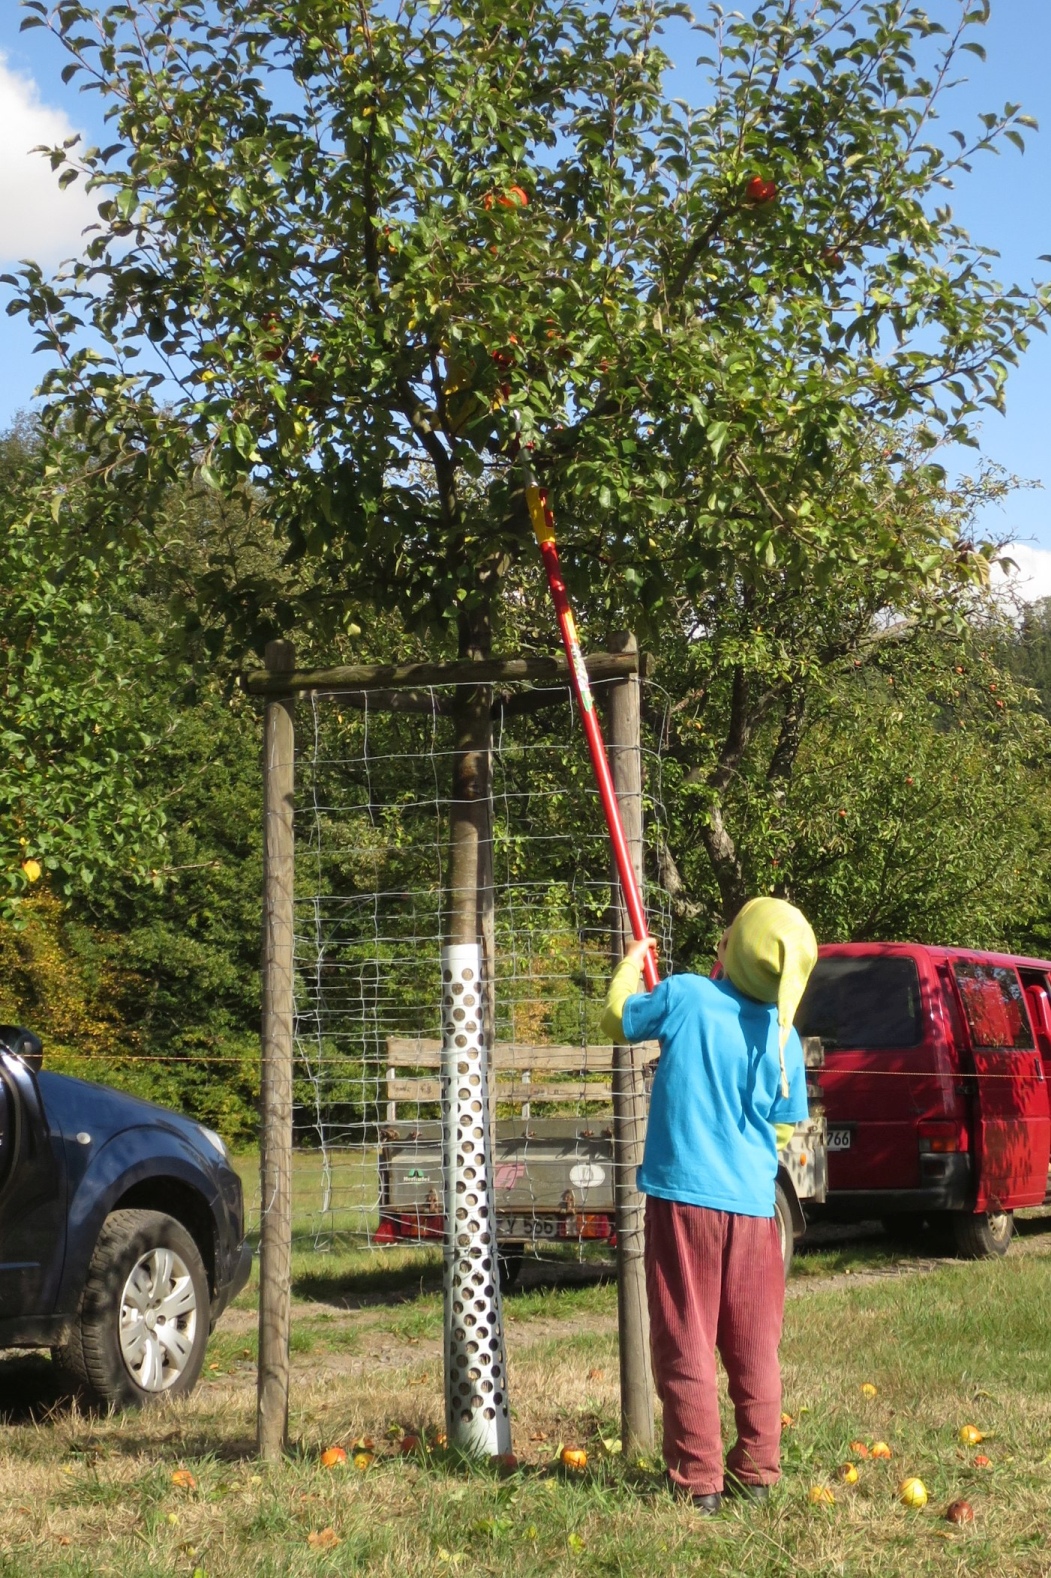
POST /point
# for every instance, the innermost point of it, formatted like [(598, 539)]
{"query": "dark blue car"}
[(121, 1231)]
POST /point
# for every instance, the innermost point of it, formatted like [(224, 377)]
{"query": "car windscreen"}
[(858, 1002)]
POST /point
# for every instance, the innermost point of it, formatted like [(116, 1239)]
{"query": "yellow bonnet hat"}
[(769, 953)]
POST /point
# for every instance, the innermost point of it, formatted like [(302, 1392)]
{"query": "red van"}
[(935, 1086)]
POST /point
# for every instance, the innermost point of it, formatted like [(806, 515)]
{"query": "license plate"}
[(838, 1140), (527, 1227)]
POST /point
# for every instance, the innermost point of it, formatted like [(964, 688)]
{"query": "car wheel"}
[(142, 1326), (984, 1235), (785, 1227)]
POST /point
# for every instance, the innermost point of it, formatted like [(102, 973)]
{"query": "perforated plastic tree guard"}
[(476, 1407)]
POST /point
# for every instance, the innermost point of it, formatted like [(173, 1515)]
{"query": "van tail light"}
[(587, 1224), (941, 1136)]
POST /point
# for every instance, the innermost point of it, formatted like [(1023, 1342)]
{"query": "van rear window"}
[(994, 1005), (862, 1002)]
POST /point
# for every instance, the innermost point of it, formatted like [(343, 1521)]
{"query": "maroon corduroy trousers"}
[(715, 1281)]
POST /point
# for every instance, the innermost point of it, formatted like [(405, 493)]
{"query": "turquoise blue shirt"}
[(716, 1094)]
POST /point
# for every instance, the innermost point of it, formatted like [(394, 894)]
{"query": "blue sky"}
[(1006, 203)]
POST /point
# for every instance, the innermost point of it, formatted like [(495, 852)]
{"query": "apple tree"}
[(338, 244)]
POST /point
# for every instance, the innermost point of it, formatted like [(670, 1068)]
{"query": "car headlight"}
[(216, 1141)]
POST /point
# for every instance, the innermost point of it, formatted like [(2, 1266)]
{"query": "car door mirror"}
[(24, 1044)]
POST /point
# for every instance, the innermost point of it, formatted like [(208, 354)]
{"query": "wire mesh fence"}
[(373, 802)]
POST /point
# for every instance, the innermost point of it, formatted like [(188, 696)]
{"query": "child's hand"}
[(637, 951)]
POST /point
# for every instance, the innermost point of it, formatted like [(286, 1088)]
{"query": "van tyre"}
[(785, 1226), (142, 1327), (984, 1235)]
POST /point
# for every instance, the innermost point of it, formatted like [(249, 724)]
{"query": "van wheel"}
[(142, 1326), (983, 1236), (785, 1226)]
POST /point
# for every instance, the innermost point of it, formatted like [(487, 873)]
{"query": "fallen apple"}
[(912, 1493), (504, 1462), (867, 1388), (880, 1449), (323, 1539), (959, 1512), (363, 1460), (333, 1456), (574, 1458), (787, 1421), (847, 1474), (820, 1496), (410, 1444), (183, 1479), (970, 1435), (859, 1449), (981, 1461)]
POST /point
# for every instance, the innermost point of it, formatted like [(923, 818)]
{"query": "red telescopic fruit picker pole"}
[(544, 529)]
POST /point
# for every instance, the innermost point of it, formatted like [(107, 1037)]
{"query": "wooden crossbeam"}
[(426, 1052), (423, 1090), (392, 676)]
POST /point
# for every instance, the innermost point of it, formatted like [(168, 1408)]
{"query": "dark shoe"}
[(707, 1503), (741, 1490)]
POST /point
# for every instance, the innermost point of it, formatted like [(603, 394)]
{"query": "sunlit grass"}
[(945, 1346)]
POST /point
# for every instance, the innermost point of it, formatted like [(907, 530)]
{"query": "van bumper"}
[(945, 1185)]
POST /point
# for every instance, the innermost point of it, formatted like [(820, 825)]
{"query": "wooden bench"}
[(513, 1068)]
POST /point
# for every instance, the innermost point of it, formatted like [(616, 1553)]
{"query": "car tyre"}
[(142, 1327), (983, 1235), (785, 1226)]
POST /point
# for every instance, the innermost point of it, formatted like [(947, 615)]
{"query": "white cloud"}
[(38, 219), (1032, 579)]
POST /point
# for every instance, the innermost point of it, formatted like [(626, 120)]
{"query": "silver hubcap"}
[(158, 1320), (999, 1224)]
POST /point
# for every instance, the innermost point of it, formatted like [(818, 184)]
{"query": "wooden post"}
[(275, 1154), (629, 1095)]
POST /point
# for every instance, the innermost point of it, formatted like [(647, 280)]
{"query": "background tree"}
[(78, 732)]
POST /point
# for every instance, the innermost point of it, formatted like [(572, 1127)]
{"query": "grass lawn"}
[(946, 1345)]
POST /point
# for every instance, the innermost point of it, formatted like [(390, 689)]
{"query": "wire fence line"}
[(373, 799)]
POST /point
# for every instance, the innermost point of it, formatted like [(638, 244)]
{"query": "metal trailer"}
[(552, 1176)]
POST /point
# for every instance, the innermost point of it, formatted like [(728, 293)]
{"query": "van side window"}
[(861, 1002), (994, 1004)]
